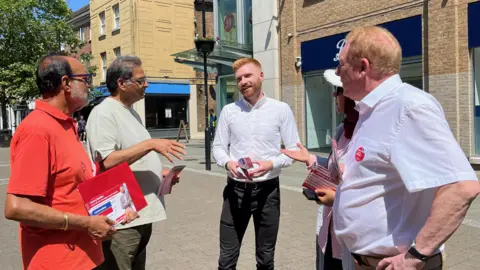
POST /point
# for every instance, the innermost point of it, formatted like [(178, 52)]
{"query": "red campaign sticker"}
[(360, 154)]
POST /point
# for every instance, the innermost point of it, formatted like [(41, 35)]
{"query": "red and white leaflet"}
[(112, 192), (319, 177), (112, 203), (167, 182)]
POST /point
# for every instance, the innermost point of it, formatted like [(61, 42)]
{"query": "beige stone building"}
[(441, 55), (153, 31)]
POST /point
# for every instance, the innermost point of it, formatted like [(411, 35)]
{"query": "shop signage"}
[(323, 53)]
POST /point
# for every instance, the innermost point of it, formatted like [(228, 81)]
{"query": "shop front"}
[(321, 54), (166, 106)]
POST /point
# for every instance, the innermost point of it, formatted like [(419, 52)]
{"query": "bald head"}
[(50, 71), (378, 46)]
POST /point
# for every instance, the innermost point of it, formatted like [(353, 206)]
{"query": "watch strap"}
[(414, 252)]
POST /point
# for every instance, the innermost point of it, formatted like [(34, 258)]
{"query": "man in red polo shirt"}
[(47, 163)]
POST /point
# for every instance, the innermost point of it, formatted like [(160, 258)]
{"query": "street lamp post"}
[(205, 47)]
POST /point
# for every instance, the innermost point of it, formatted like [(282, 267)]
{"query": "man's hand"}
[(167, 148), (404, 261), (100, 227), (130, 216), (176, 178), (301, 155), (264, 167), (232, 167), (325, 196)]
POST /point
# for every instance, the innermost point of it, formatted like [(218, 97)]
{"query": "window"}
[(104, 66), (89, 33), (81, 34), (227, 20), (102, 23), (234, 21), (117, 52), (248, 28), (116, 17), (476, 89), (161, 112)]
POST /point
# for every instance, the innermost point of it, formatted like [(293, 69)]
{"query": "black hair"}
[(122, 67), (50, 71)]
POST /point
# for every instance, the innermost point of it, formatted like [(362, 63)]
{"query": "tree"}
[(86, 59), (29, 29)]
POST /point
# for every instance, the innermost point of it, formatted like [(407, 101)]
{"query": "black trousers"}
[(240, 202)]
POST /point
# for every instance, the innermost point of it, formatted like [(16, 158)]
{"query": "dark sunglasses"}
[(85, 78)]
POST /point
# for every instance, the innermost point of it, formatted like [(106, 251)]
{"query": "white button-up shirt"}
[(402, 150), (255, 132)]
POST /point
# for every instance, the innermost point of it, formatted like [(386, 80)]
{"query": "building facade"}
[(440, 55), (81, 25), (151, 30), (243, 28)]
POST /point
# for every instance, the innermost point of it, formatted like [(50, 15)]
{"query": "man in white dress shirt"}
[(252, 127), (407, 184)]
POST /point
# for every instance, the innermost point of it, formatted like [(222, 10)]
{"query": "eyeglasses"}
[(87, 79), (140, 81)]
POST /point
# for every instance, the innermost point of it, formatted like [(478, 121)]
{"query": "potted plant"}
[(205, 45)]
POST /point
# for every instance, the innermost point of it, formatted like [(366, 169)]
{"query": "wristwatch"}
[(414, 252)]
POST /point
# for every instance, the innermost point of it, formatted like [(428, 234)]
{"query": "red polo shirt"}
[(48, 161)]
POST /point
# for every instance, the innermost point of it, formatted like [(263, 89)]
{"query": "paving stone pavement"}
[(188, 239)]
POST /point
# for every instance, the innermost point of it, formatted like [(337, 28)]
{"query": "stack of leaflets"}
[(319, 177)]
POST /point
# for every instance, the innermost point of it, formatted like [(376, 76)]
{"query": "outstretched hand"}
[(169, 147), (301, 155)]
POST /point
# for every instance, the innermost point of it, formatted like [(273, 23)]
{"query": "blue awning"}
[(473, 25), (322, 53), (157, 88), (168, 88)]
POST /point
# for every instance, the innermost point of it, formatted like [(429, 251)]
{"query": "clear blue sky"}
[(76, 4)]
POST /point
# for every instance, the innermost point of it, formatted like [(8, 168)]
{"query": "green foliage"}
[(29, 30), (86, 59)]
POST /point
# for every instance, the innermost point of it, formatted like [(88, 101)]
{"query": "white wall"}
[(265, 43), (193, 115)]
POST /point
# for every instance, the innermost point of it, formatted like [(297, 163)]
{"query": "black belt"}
[(252, 184)]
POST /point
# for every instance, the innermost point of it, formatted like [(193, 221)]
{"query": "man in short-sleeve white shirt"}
[(116, 134), (407, 184)]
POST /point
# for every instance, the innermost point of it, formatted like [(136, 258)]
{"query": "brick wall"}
[(446, 58)]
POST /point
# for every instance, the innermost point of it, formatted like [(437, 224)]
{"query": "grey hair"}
[(122, 67)]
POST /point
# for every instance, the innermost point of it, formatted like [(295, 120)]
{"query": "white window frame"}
[(81, 33), (116, 16), (103, 56), (103, 27), (117, 51)]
